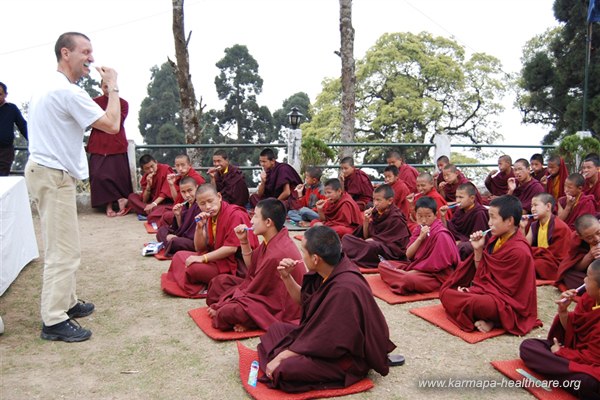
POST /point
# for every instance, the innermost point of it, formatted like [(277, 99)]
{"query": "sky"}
[(293, 41)]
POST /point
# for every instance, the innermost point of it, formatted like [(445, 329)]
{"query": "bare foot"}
[(484, 326), (122, 203), (109, 211), (212, 312), (239, 328)]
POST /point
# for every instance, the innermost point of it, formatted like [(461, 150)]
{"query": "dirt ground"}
[(145, 346)]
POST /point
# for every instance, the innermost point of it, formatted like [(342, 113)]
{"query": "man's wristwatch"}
[(115, 89)]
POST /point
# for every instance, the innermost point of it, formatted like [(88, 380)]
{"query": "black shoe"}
[(67, 331), (81, 309)]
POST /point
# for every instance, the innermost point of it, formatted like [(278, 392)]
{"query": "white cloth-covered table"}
[(18, 245)]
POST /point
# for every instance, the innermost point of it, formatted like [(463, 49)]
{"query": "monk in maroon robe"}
[(523, 186), (229, 180), (589, 169), (497, 180), (383, 233), (453, 178), (469, 216), (342, 333), (406, 173), (153, 182), (356, 183), (217, 246), (584, 249), (431, 252), (575, 203), (277, 180), (400, 189), (259, 299), (338, 211), (425, 187), (441, 162), (571, 353), (110, 180), (549, 237), (495, 286), (538, 171), (180, 234), (557, 174)]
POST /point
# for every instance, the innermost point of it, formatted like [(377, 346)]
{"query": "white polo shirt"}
[(59, 114)]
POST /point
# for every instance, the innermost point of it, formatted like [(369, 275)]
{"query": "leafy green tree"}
[(300, 100), (551, 80), (160, 116), (90, 85), (410, 88)]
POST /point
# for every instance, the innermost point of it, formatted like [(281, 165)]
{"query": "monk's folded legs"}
[(573, 279), (231, 315), (408, 282), (464, 308)]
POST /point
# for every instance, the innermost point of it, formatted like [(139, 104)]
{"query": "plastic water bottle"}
[(253, 376), (384, 262)]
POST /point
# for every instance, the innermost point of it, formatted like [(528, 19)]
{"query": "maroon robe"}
[(555, 185), (166, 189), (432, 263), (409, 175), (400, 192), (261, 297), (277, 177), (449, 189), (184, 233), (498, 185), (390, 238), (464, 223), (501, 288), (548, 259), (593, 189), (343, 216), (359, 187), (540, 174), (342, 334), (585, 205), (527, 191), (439, 201), (232, 186), (567, 274), (158, 181), (228, 218), (579, 357)]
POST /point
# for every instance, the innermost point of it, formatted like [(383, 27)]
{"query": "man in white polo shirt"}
[(59, 114)]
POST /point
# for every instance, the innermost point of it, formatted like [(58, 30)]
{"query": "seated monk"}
[(259, 299), (390, 177), (549, 237), (153, 182), (217, 246), (523, 186), (555, 180), (469, 216), (304, 208), (425, 187), (575, 203), (228, 179), (538, 171), (342, 333), (338, 211), (180, 234), (590, 169), (383, 232), (441, 162), (183, 169), (453, 178), (276, 180), (407, 173), (497, 180), (584, 248), (431, 252), (356, 183), (495, 286), (571, 353)]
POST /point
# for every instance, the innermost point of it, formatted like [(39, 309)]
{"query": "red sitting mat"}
[(172, 288), (149, 228), (381, 290), (437, 316), (263, 392), (161, 255), (204, 322), (509, 369), (366, 271), (544, 282)]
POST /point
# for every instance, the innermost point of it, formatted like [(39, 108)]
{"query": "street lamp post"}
[(294, 138)]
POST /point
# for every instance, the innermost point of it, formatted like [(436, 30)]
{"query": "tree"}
[(191, 109), (299, 100), (348, 78), (160, 113), (90, 85), (410, 88), (551, 80)]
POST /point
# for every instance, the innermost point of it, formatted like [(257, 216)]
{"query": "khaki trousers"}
[(54, 191)]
